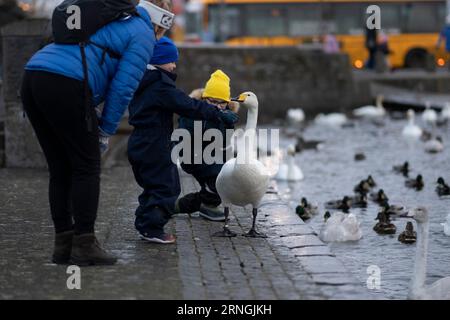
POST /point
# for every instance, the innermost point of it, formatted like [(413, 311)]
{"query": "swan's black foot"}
[(225, 233), (254, 234)]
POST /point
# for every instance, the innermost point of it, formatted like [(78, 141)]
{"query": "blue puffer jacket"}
[(113, 81)]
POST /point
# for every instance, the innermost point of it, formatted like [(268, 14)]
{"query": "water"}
[(332, 173)]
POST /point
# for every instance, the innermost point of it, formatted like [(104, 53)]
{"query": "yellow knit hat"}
[(218, 87)]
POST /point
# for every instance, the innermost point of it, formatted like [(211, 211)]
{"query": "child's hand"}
[(229, 117)]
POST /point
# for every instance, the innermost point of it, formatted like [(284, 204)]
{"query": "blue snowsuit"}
[(150, 146)]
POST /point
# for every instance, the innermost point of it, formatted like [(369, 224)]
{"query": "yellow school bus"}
[(412, 27)]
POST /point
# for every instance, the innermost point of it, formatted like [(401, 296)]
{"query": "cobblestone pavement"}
[(291, 264)]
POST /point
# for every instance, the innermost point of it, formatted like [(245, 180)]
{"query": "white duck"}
[(411, 130), (434, 145), (377, 111), (290, 171), (439, 290), (429, 115), (331, 119), (341, 227), (445, 113), (244, 180), (295, 116), (446, 226)]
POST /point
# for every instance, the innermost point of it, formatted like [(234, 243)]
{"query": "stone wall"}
[(281, 77), (20, 40)]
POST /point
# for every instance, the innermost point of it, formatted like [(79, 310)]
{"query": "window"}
[(265, 20), (423, 17), (304, 19)]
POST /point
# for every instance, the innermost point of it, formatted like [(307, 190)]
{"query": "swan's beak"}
[(407, 214), (240, 99)]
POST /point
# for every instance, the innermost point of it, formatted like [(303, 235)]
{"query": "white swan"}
[(371, 111), (295, 116), (244, 180), (411, 130), (446, 226), (341, 227), (439, 290), (290, 171), (445, 112), (331, 119), (429, 115), (434, 145)]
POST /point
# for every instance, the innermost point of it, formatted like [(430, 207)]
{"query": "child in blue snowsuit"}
[(216, 92), (149, 146)]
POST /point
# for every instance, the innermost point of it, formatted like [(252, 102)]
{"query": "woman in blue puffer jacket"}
[(54, 100)]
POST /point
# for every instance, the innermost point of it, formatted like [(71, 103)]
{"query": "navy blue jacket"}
[(149, 147), (203, 170)]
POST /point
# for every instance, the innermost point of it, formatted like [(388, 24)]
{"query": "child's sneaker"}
[(164, 238), (211, 213)]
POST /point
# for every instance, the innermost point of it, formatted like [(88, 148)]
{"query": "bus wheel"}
[(416, 59)]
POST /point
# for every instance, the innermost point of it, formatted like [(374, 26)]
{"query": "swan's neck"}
[(411, 120), (420, 265), (249, 150), (379, 103)]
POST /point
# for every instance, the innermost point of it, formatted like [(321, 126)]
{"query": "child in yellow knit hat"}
[(216, 92)]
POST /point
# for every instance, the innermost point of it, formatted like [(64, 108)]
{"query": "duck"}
[(303, 144), (371, 112), (371, 181), (313, 208), (379, 197), (331, 120), (360, 156), (426, 135), (326, 216), (434, 145), (416, 183), (290, 171), (411, 130), (359, 200), (429, 115), (384, 225), (403, 169), (341, 227), (344, 204), (392, 209), (362, 187), (442, 188), (408, 236), (244, 180), (418, 289), (446, 226), (303, 212), (295, 116)]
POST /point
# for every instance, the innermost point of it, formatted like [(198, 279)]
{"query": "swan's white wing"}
[(440, 290)]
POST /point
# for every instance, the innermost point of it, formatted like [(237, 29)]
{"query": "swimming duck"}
[(411, 130), (392, 209), (442, 188), (379, 197), (295, 116), (290, 171), (326, 216), (314, 209), (360, 156), (446, 226), (409, 235), (341, 227), (303, 144), (244, 180), (303, 212), (429, 115), (331, 119), (359, 200), (371, 182), (403, 169), (377, 111), (384, 225), (362, 187), (344, 204), (426, 135), (416, 183), (434, 145)]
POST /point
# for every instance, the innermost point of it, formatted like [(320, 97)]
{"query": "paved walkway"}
[(291, 264)]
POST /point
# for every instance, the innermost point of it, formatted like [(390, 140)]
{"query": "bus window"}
[(231, 24), (423, 18), (350, 18), (391, 17), (262, 20), (304, 19)]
